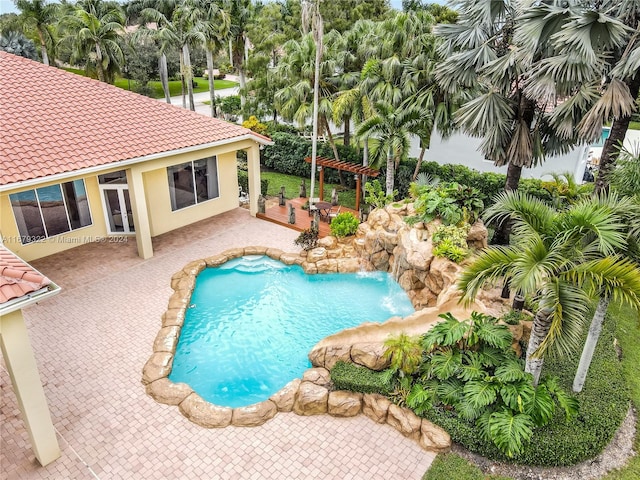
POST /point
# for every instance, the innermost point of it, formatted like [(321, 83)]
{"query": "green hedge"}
[(347, 376), (603, 405), (289, 150), (243, 182)]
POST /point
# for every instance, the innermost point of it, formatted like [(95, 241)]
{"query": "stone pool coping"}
[(311, 395)]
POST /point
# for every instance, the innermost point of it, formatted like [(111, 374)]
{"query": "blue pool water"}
[(253, 320)]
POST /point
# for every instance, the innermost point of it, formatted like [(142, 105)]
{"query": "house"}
[(82, 161)]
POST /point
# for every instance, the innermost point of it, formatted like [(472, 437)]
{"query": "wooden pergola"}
[(358, 170)]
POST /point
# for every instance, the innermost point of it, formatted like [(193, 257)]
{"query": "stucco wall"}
[(158, 205)]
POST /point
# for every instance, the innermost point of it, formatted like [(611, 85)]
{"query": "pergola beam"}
[(358, 170)]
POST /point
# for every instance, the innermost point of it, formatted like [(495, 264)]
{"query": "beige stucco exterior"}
[(148, 186)]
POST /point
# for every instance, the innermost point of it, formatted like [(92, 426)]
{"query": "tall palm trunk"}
[(243, 89), (590, 344), (99, 66), (612, 144), (539, 331), (333, 146), (183, 83), (346, 138), (390, 172), (164, 77), (212, 88), (188, 75), (419, 163), (43, 48)]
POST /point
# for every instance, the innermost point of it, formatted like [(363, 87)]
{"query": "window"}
[(48, 211), (193, 182)]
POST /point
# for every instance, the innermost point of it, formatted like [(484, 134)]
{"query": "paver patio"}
[(91, 343)]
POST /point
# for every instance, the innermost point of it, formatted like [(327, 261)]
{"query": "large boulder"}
[(477, 236), (342, 403), (375, 406), (433, 438), (165, 391), (312, 399), (254, 415), (319, 376), (370, 355), (158, 366), (205, 414), (405, 421), (334, 354), (286, 396)]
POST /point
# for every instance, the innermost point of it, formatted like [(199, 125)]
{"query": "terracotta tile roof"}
[(54, 122), (18, 278)]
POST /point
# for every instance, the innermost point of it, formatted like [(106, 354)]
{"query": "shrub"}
[(450, 242), (451, 202), (253, 124), (347, 376), (376, 196), (344, 224), (307, 239), (243, 182), (603, 406), (514, 317)]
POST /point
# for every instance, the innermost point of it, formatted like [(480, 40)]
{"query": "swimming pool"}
[(252, 321)]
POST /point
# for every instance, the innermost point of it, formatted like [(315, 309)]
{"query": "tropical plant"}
[(388, 133), (344, 224), (16, 43), (450, 241), (451, 202), (239, 12), (592, 63), (483, 61), (404, 354), (95, 27), (554, 254), (41, 16), (216, 33), (625, 178), (470, 366), (376, 196), (565, 190), (252, 123)]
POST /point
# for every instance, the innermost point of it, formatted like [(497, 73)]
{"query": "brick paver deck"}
[(91, 343)]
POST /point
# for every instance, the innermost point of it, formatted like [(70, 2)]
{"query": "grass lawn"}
[(346, 197), (634, 125), (628, 333), (175, 86), (448, 466)]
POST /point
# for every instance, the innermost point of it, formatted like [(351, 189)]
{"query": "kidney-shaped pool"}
[(252, 321)]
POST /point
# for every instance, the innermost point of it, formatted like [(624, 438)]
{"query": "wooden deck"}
[(280, 215)]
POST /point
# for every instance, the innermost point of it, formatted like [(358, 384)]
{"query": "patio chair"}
[(333, 213)]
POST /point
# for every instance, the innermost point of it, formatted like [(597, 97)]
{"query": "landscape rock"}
[(254, 415), (312, 399), (375, 406), (205, 414), (167, 339), (336, 353), (433, 438), (165, 391), (286, 396), (370, 355), (319, 376), (344, 404), (405, 421), (158, 366)]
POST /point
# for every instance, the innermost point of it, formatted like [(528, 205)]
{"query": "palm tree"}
[(239, 12), (483, 61), (216, 35), (160, 12), (553, 256), (593, 64), (39, 15), (389, 130), (189, 22), (95, 28)]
